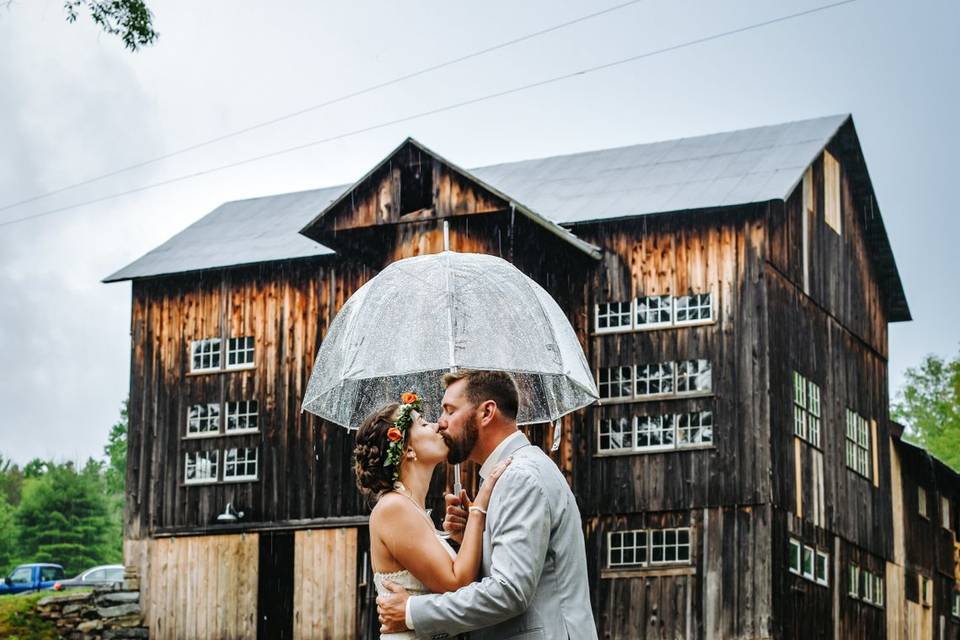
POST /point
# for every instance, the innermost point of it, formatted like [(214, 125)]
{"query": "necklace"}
[(402, 490)]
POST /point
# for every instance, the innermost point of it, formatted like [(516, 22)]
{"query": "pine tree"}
[(63, 518)]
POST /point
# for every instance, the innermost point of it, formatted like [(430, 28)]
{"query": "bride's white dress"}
[(413, 586)]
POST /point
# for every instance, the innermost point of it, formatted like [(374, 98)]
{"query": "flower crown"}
[(398, 432)]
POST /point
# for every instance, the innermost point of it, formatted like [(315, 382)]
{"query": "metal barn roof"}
[(722, 169)]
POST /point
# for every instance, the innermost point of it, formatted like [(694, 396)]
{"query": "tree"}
[(8, 537), (130, 19), (63, 517), (116, 453), (11, 480), (929, 406)]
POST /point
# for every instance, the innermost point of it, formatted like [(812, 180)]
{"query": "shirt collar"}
[(508, 443)]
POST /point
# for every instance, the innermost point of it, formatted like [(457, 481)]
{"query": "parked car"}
[(103, 576), (31, 577)]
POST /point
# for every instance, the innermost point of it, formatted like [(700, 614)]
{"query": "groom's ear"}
[(488, 410)]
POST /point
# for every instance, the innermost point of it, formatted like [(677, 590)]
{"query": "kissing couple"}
[(521, 569)]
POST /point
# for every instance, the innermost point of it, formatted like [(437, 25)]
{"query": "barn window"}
[(240, 352), (240, 464), (693, 308), (205, 355), (615, 382), (794, 552), (615, 434), (809, 553), (926, 591), (242, 416), (654, 311), (853, 589), (945, 512), (878, 590), (831, 191), (806, 409), (955, 605), (922, 503), (695, 428), (627, 548), (655, 379), (201, 467), (203, 419), (614, 316), (822, 568), (669, 546), (655, 432), (644, 547), (694, 376), (858, 444)]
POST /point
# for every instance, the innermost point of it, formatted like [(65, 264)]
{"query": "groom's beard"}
[(461, 447)]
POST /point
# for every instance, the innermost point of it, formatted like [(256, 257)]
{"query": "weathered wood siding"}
[(325, 584), (201, 587)]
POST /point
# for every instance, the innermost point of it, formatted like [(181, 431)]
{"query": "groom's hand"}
[(455, 519), (392, 608)]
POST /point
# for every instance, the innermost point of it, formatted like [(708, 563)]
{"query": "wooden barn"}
[(740, 478)]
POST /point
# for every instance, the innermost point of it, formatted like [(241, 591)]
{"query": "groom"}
[(534, 583)]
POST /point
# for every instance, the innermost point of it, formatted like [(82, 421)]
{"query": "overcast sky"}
[(74, 104)]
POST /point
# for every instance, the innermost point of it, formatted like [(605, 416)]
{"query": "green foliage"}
[(11, 481), (8, 538), (19, 619), (63, 518), (130, 19), (929, 406), (116, 453)]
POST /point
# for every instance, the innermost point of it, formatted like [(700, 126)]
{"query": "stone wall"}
[(106, 613)]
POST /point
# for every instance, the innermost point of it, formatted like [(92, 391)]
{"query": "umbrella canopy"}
[(422, 317)]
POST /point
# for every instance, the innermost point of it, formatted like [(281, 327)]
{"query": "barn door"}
[(275, 586), (325, 584)]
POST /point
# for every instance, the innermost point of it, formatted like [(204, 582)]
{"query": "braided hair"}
[(370, 452)]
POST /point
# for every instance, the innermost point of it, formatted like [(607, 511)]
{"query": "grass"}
[(19, 619)]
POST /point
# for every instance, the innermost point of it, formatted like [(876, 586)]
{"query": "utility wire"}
[(327, 103), (449, 107)]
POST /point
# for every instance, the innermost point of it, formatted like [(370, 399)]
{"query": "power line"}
[(449, 107), (327, 103)]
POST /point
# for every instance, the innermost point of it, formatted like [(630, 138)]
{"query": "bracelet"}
[(478, 509)]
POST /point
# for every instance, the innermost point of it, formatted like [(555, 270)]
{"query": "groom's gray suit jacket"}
[(534, 563)]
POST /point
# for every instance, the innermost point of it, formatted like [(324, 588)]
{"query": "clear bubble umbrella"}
[(422, 317)]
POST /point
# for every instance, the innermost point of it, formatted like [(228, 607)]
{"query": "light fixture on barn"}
[(230, 514)]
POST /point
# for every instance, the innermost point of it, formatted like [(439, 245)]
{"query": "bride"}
[(395, 456)]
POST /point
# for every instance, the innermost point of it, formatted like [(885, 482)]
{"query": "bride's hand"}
[(483, 497)]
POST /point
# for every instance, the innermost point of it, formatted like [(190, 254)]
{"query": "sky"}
[(74, 104)]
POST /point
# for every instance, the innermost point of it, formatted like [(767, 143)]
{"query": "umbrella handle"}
[(457, 487)]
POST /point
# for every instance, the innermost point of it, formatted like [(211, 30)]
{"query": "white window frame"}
[(245, 461), (878, 590), (660, 372), (811, 553), (807, 409), (955, 605), (697, 301), (614, 428), (853, 576), (198, 350), (858, 445), (210, 408), (648, 547), (926, 591), (240, 346), (696, 371), (623, 375), (703, 421), (664, 303), (608, 313), (795, 557), (664, 432), (211, 457), (241, 410), (922, 503), (825, 578), (624, 547), (945, 513)]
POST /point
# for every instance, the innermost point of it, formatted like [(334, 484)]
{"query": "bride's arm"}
[(414, 545)]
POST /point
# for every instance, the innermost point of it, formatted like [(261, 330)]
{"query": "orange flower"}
[(394, 434), (408, 398)]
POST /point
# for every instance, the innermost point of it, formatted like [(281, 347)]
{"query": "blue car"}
[(31, 577)]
